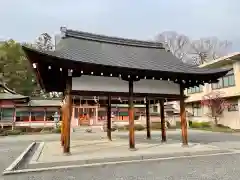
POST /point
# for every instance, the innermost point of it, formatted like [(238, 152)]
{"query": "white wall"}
[(112, 84)]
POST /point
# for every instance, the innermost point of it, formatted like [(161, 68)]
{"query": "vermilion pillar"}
[(131, 116), (183, 117)]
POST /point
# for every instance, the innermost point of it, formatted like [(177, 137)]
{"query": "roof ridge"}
[(109, 39)]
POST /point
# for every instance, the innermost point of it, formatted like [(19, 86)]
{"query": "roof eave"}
[(36, 70), (35, 56)]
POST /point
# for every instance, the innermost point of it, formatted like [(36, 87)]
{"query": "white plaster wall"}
[(112, 84)]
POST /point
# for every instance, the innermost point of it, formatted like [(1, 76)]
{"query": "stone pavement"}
[(104, 151)]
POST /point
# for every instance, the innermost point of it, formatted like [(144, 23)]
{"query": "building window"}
[(37, 115), (49, 115), (195, 89), (22, 115), (155, 109), (224, 82), (233, 107), (196, 109), (7, 114)]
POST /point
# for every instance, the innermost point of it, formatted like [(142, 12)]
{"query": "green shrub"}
[(206, 124), (196, 125), (24, 129), (222, 126), (137, 127), (121, 128), (57, 130), (200, 125), (190, 123), (178, 124), (35, 130), (3, 133), (49, 129), (13, 132)]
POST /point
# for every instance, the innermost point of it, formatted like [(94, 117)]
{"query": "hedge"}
[(199, 124), (137, 127)]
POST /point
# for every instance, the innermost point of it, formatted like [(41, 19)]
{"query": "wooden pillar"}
[(163, 124), (30, 117), (183, 117), (44, 116), (96, 114), (67, 125), (148, 119), (109, 121), (131, 116), (14, 117), (63, 124)]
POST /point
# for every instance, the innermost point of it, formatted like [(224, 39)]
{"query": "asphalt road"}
[(9, 152), (224, 167), (203, 137), (215, 167)]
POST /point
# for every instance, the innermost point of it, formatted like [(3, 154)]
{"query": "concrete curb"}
[(37, 153), (19, 159), (114, 163), (123, 159)]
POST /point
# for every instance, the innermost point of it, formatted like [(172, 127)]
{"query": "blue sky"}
[(24, 20)]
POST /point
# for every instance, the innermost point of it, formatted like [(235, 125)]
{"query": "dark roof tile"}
[(118, 52)]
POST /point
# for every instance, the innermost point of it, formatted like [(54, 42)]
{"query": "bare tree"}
[(176, 43), (194, 52), (44, 42), (207, 49)]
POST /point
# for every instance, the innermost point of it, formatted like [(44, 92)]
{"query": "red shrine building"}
[(19, 110)]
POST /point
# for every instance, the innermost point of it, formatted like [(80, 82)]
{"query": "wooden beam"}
[(131, 116), (183, 117), (163, 123), (109, 117), (148, 119), (125, 95), (67, 126)]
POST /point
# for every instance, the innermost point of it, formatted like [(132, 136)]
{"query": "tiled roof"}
[(43, 103), (118, 52), (8, 96)]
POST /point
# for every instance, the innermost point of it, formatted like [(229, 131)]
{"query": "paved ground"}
[(87, 152), (194, 136), (225, 167), (9, 152), (215, 167), (203, 137)]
